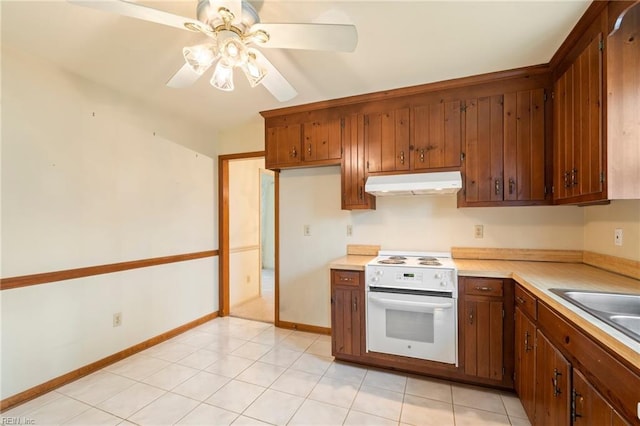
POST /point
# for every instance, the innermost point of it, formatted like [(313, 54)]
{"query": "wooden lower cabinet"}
[(565, 378), (589, 407), (553, 384), (525, 361), (347, 313), (486, 325)]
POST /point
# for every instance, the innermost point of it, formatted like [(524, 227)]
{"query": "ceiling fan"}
[(234, 30)]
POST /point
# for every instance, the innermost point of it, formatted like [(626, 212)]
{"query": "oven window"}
[(414, 326)]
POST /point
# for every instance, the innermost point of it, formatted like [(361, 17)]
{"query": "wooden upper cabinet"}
[(578, 146), (417, 138), (386, 136), (283, 145), (505, 149), (354, 173), (304, 140), (436, 136), (623, 102), (322, 140)]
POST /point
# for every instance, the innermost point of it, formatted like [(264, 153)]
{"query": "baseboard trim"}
[(57, 382), (303, 327)]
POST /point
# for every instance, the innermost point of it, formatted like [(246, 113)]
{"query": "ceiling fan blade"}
[(275, 82), (338, 37), (184, 77), (135, 10)]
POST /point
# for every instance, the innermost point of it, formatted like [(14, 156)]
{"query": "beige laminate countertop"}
[(538, 278)]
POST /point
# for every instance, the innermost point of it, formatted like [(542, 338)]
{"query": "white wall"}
[(85, 181), (312, 197), (244, 229), (600, 223)]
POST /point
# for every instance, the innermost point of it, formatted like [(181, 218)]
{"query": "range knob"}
[(438, 275), (379, 272), (375, 279), (443, 284)]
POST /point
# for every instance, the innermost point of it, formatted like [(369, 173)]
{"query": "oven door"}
[(413, 325)]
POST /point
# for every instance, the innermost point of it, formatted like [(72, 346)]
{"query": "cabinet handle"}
[(361, 193), (520, 300), (497, 186), (527, 348), (484, 288), (309, 149), (294, 153), (471, 317), (422, 155), (355, 304), (401, 157), (554, 381), (574, 177), (574, 405), (512, 184)]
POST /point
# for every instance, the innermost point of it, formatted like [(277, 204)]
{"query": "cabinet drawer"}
[(483, 287), (345, 277), (526, 302)]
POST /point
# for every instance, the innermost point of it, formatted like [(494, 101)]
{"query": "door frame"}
[(223, 233)]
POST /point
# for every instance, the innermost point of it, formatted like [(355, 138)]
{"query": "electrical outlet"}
[(478, 231), (617, 238), (307, 230), (117, 319), (349, 230)]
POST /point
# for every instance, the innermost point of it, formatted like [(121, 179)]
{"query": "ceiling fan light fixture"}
[(252, 69), (199, 57), (223, 76), (258, 36)]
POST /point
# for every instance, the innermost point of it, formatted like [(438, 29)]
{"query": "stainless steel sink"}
[(619, 310)]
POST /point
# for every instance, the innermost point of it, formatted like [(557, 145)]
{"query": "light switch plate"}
[(618, 237)]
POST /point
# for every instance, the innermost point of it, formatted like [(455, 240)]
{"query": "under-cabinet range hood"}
[(434, 183)]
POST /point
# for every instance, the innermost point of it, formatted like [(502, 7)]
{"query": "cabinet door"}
[(588, 407), (386, 137), (525, 362), (282, 146), (483, 337), (552, 388), (524, 146), (354, 172), (322, 140), (436, 135), (578, 168), (484, 141), (346, 314)]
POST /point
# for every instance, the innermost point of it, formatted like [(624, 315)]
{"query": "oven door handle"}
[(412, 306)]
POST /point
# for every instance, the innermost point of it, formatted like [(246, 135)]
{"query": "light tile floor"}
[(242, 372)]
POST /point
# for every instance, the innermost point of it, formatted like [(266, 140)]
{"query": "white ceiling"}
[(401, 43)]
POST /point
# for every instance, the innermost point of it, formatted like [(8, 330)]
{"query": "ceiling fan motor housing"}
[(209, 12)]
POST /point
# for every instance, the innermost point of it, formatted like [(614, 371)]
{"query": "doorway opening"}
[(247, 232)]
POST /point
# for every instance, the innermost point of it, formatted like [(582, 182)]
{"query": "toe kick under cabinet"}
[(563, 377)]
